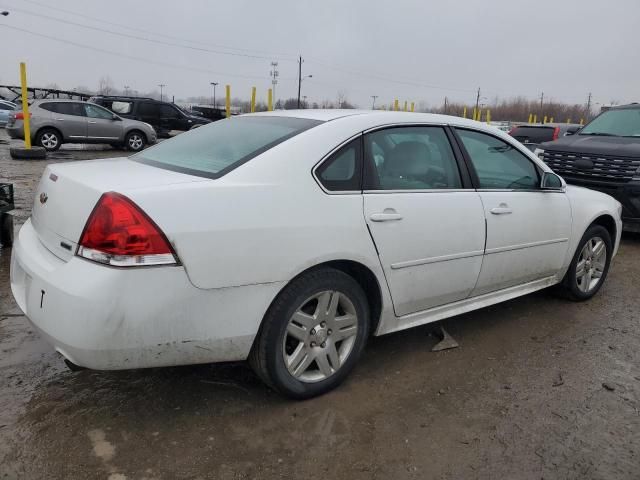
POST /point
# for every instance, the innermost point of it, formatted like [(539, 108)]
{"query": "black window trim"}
[(329, 156), (472, 170), (463, 171)]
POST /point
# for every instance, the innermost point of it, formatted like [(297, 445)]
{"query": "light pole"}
[(161, 85), (373, 104), (213, 101), (126, 90)]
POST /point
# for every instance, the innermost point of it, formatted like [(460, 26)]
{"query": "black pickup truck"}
[(604, 155), (6, 220)]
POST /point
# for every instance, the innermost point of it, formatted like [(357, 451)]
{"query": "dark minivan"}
[(163, 116), (604, 156)]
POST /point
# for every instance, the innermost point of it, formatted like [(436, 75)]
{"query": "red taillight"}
[(20, 116), (119, 233), (556, 133)]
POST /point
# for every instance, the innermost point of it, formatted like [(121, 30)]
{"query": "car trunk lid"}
[(67, 194)]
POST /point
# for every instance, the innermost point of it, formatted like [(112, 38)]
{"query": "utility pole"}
[(274, 79), (213, 100), (541, 102), (126, 90), (445, 105), (161, 85), (373, 104), (588, 106), (299, 78), (477, 101)]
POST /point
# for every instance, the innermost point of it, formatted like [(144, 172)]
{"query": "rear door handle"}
[(92, 121), (502, 209), (388, 215), (60, 119)]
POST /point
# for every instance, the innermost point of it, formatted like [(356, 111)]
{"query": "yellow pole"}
[(475, 113), (228, 101), (253, 99), (535, 118), (551, 120), (530, 118), (544, 120), (413, 106), (270, 100), (464, 112), (395, 105), (25, 105), (582, 121), (568, 120), (405, 105), (488, 116)]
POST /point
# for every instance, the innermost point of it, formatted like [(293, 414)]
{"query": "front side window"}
[(217, 148), (342, 171), (498, 164), (410, 158), (167, 111), (93, 111)]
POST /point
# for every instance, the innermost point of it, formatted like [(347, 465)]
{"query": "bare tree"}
[(105, 86)]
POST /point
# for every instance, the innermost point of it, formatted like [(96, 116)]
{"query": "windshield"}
[(216, 149), (621, 123)]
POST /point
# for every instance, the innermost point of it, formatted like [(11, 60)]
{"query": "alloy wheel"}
[(135, 142), (320, 336), (591, 264), (49, 140)]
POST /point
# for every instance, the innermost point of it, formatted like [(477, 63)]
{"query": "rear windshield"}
[(217, 148), (619, 123)]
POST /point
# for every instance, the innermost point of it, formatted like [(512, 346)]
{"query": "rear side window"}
[(121, 107), (342, 171), (148, 109), (64, 108), (215, 149)]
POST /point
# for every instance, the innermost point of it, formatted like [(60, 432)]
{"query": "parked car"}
[(54, 122), (5, 107), (289, 237), (531, 135), (163, 116), (604, 156)]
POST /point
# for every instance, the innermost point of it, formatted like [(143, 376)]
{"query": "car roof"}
[(630, 106), (64, 100)]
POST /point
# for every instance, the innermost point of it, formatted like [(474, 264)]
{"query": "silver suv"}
[(54, 122)]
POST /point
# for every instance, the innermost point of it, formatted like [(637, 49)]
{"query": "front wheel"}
[(135, 141), (313, 334), (590, 264)]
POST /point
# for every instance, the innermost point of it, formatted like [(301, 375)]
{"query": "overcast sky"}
[(415, 50)]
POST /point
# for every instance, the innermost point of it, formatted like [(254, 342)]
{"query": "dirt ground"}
[(539, 388)]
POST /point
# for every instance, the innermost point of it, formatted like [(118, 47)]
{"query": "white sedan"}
[(287, 238)]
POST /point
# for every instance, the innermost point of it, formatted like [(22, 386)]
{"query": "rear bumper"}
[(108, 318), (15, 131)]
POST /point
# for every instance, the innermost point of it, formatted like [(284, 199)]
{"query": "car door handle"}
[(60, 119), (388, 215), (502, 209), (92, 121)]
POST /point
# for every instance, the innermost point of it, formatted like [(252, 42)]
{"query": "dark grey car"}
[(54, 122)]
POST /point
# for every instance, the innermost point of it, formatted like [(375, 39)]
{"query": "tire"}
[(49, 138), (311, 354), (135, 141), (579, 282), (6, 230)]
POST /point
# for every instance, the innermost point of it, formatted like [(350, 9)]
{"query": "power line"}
[(137, 37), (138, 29), (130, 57)]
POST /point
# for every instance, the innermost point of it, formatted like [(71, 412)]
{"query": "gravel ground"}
[(539, 388)]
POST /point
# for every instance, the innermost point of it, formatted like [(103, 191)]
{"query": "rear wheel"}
[(590, 264), (313, 334), (135, 141), (50, 139)]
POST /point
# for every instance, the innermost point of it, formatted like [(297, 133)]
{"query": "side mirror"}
[(572, 130), (551, 181)]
